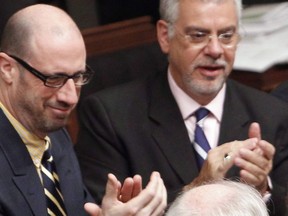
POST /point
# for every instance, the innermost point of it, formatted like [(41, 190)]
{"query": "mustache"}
[(62, 105), (212, 63)]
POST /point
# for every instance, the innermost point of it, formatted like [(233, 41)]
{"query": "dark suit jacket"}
[(281, 91), (137, 128), (21, 192)]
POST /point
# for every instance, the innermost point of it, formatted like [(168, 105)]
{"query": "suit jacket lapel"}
[(169, 131), (235, 120), (30, 190), (22, 166)]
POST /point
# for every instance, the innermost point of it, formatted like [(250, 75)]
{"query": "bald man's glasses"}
[(57, 81)]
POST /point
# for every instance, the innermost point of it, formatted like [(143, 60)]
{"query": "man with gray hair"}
[(190, 122), (219, 198)]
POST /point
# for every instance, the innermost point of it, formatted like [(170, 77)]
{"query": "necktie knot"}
[(201, 113)]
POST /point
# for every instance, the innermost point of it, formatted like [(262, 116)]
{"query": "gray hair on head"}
[(219, 198), (169, 10)]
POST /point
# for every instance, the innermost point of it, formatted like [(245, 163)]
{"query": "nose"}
[(69, 93), (214, 48)]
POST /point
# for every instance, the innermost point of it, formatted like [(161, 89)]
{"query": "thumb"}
[(92, 209), (254, 131)]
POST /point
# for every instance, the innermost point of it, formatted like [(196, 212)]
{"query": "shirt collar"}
[(27, 137), (188, 106)]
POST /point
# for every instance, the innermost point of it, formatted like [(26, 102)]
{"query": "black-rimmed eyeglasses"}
[(57, 81)]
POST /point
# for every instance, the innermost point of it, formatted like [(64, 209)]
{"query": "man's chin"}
[(57, 123), (207, 87)]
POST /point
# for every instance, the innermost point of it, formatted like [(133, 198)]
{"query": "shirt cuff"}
[(267, 195)]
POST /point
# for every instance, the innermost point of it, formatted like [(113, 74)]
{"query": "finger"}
[(259, 182), (126, 190), (252, 172), (267, 148), (250, 143), (254, 131), (232, 148), (112, 188), (146, 195), (131, 188), (92, 209), (161, 208), (251, 179), (137, 185), (164, 200), (158, 203), (258, 151), (254, 159)]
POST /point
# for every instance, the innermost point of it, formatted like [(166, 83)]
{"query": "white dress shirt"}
[(187, 106)]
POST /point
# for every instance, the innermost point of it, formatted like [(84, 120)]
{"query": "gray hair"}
[(239, 200), (169, 10)]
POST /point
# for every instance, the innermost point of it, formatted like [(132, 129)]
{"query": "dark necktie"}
[(54, 199), (201, 144)]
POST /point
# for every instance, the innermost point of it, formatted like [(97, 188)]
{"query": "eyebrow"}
[(205, 30), (65, 74)]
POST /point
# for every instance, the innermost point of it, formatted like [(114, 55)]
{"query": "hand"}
[(215, 166), (256, 165), (150, 201), (131, 188)]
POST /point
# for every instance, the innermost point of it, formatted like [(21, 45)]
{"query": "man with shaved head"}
[(42, 69)]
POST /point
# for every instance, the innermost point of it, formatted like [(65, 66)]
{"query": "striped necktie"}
[(201, 144), (54, 198)]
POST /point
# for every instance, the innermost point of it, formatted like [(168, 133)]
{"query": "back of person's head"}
[(39, 22), (219, 198)]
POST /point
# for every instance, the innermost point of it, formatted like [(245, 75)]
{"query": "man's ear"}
[(7, 68), (162, 35)]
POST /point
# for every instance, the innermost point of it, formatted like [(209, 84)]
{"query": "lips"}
[(211, 70), (60, 111)]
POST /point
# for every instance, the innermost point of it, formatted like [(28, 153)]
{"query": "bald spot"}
[(35, 22), (207, 195)]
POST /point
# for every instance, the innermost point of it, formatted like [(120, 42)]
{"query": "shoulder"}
[(60, 137), (281, 91), (137, 91), (254, 99), (243, 91)]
